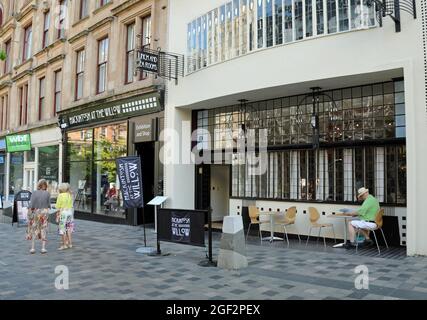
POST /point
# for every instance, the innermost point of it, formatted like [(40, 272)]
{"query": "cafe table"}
[(271, 238), (344, 216)]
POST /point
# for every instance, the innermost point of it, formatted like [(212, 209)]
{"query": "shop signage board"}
[(182, 226), (18, 143), (2, 144), (148, 61), (145, 130), (143, 104), (130, 177)]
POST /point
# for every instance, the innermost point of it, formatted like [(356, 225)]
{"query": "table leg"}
[(345, 235)]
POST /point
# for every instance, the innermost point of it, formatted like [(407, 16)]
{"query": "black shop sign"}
[(148, 61)]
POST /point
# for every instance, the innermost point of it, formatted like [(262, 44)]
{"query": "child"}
[(64, 217)]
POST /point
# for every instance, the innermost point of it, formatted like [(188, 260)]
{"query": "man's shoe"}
[(368, 242), (350, 245)]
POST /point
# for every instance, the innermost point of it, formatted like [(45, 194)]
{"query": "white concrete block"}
[(232, 224)]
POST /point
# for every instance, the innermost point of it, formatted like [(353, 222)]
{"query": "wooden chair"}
[(254, 219), (288, 219), (314, 217), (379, 225)]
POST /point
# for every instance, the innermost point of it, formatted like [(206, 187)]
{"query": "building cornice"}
[(102, 8), (22, 74), (82, 34), (100, 23), (56, 58), (23, 63), (42, 66), (6, 83), (10, 24), (21, 15), (124, 6)]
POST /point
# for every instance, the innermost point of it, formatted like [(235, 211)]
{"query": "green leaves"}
[(3, 55)]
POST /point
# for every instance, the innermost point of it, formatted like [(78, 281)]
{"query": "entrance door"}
[(146, 151), (29, 179), (220, 191)]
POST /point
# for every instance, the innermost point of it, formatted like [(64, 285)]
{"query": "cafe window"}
[(91, 167)]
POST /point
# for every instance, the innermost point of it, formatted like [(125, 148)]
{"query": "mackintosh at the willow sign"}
[(130, 177)]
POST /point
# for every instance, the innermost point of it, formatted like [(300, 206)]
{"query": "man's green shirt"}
[(369, 209)]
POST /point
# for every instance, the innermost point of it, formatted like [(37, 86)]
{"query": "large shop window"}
[(330, 175), (49, 167), (240, 26), (92, 168), (361, 144)]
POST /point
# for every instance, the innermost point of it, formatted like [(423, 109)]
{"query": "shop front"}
[(95, 137), (28, 157)]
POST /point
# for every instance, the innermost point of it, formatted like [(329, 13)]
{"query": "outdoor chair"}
[(288, 219), (379, 225), (254, 219), (314, 217)]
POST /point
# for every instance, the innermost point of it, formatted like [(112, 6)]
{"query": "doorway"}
[(146, 152), (220, 192), (29, 178)]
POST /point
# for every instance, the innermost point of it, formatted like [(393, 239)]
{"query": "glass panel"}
[(229, 28), (332, 16), (80, 182), (343, 15), (108, 200), (236, 28), (222, 33), (79, 145), (269, 22), (319, 17), (210, 38), (289, 30), (252, 25), (260, 24), (401, 174), (110, 142), (16, 174), (299, 32), (204, 42), (243, 24), (391, 174), (49, 167), (278, 11), (308, 18)]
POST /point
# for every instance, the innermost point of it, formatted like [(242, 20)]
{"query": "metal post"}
[(158, 241), (210, 233), (397, 15)]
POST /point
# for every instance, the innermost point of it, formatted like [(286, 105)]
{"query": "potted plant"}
[(3, 55)]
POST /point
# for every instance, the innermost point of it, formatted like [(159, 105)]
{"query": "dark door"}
[(146, 152), (203, 187)]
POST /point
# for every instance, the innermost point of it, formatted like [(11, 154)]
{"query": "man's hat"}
[(361, 192)]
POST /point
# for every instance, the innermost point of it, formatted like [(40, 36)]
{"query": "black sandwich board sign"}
[(20, 208), (182, 226)]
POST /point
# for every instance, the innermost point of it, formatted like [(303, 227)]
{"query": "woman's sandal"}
[(32, 251)]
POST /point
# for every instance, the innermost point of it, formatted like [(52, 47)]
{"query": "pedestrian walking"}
[(38, 214), (65, 216)]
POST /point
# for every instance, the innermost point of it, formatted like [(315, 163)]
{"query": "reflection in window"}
[(244, 26), (229, 30), (199, 48), (204, 41), (210, 38), (289, 31), (332, 16), (278, 10), (299, 33), (319, 16), (308, 18), (260, 24), (269, 22), (343, 15), (216, 36), (49, 167), (236, 28), (222, 33), (251, 22)]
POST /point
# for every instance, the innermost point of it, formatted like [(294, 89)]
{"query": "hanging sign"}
[(148, 61), (130, 177)]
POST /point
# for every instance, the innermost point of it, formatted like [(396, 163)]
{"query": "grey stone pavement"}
[(104, 265)]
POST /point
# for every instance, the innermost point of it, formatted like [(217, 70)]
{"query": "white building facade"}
[(251, 66)]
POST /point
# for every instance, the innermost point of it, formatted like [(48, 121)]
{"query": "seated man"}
[(366, 215), (111, 196)]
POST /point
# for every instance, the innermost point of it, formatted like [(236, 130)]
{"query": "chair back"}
[(290, 215), (313, 214), (253, 214), (379, 218)]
